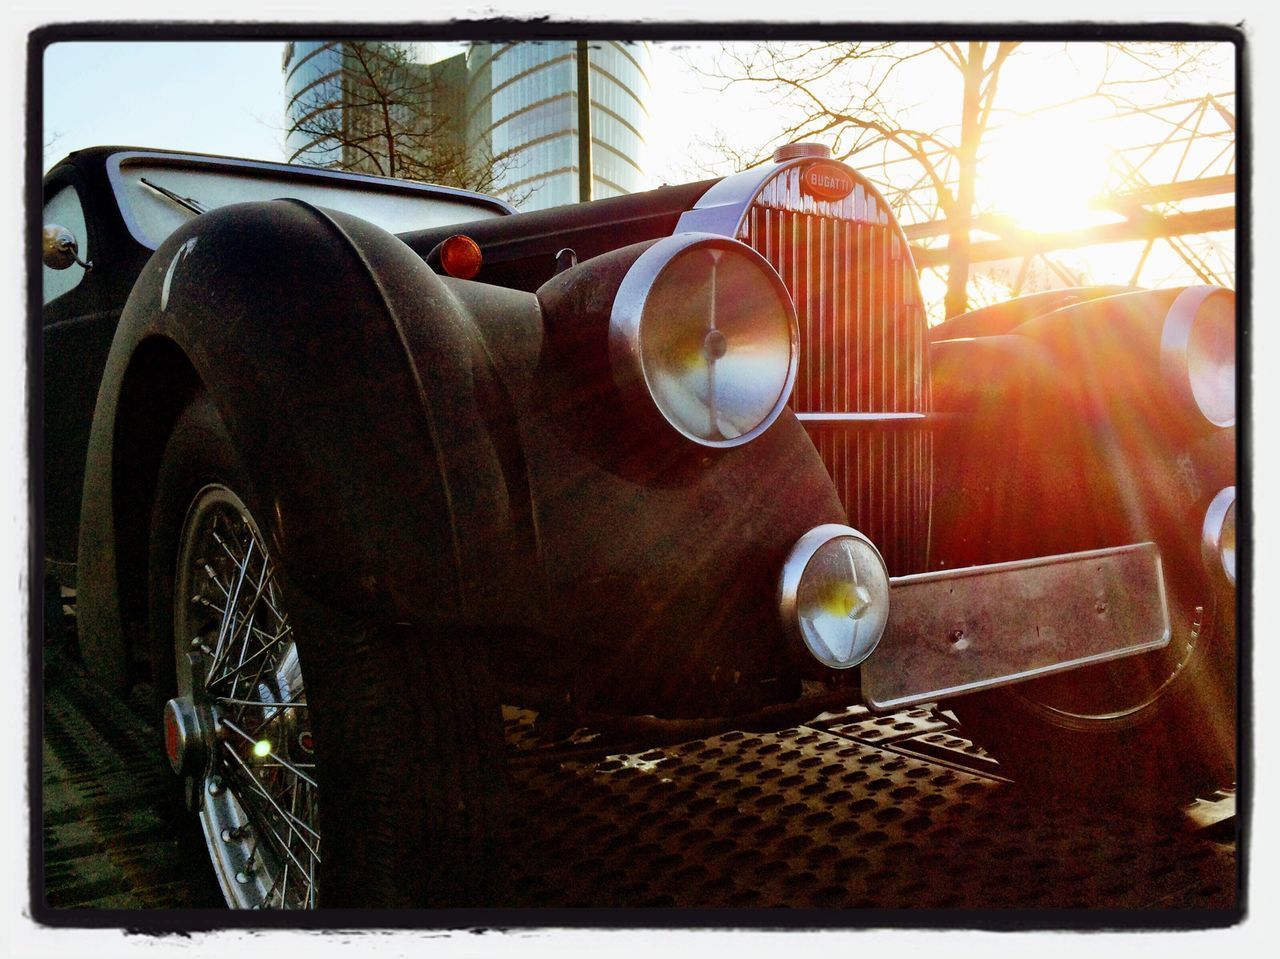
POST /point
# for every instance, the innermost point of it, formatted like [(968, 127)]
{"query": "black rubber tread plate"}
[(107, 792), (853, 810), (807, 817)]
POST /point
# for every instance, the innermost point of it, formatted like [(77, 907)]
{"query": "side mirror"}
[(60, 248)]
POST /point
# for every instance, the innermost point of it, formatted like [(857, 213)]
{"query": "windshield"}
[(396, 205)]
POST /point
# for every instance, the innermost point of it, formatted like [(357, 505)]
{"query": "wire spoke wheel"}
[(239, 674), (397, 723)]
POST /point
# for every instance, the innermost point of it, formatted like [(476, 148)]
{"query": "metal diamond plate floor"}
[(847, 811)]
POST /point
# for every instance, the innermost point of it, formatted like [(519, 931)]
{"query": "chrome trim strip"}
[(963, 689), (832, 419), (388, 184), (725, 207), (1017, 564)]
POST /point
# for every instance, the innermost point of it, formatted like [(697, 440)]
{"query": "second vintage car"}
[(341, 464)]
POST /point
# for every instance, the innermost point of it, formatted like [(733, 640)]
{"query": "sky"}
[(207, 97), (228, 98), (1044, 171)]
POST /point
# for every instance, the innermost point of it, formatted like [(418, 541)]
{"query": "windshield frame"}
[(382, 184)]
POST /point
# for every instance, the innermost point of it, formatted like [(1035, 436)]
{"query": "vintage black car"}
[(662, 463)]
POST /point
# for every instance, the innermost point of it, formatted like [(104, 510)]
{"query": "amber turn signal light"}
[(460, 257)]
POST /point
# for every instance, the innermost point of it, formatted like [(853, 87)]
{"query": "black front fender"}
[(358, 393)]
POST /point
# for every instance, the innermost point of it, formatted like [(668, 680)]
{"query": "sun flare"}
[(1046, 172)]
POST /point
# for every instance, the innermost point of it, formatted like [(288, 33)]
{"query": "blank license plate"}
[(959, 631)]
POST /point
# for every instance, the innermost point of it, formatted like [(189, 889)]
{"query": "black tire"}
[(407, 744), (1149, 732)]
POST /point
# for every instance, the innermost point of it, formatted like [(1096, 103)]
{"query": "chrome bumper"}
[(959, 631)]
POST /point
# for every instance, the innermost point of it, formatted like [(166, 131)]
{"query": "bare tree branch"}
[(851, 95), (381, 112)]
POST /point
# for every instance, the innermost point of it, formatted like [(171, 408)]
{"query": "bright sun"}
[(1045, 171)]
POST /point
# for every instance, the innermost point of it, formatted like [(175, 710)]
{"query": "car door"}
[(78, 323)]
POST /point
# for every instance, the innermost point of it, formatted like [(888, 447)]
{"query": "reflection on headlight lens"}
[(1198, 353), (835, 592), (1218, 535), (709, 329), (1211, 360), (716, 344), (1228, 549)]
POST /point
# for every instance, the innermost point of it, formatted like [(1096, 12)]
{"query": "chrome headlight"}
[(703, 329), (834, 595), (1198, 353), (1218, 535)]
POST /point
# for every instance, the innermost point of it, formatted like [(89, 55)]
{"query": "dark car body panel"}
[(79, 325), (77, 328), (524, 257), (412, 460), (1063, 437)]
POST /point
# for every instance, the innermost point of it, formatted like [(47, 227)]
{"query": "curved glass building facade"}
[(522, 109), (312, 82), (512, 105), (334, 90)]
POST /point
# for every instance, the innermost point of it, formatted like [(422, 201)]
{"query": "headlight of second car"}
[(1198, 353), (703, 330), (1218, 535)]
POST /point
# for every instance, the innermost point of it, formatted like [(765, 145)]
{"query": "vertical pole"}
[(584, 124)]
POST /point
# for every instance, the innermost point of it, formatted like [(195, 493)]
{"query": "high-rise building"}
[(510, 109), (522, 106), (313, 78), (372, 107)]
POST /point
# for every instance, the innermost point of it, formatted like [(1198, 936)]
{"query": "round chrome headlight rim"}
[(1218, 535), (1197, 353), (637, 379), (792, 577)]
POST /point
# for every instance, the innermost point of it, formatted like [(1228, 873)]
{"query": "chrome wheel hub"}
[(238, 731), (185, 742)]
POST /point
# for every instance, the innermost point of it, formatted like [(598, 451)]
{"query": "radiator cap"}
[(796, 151)]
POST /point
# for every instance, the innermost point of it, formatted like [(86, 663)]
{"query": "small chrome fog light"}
[(1218, 535), (834, 595)]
